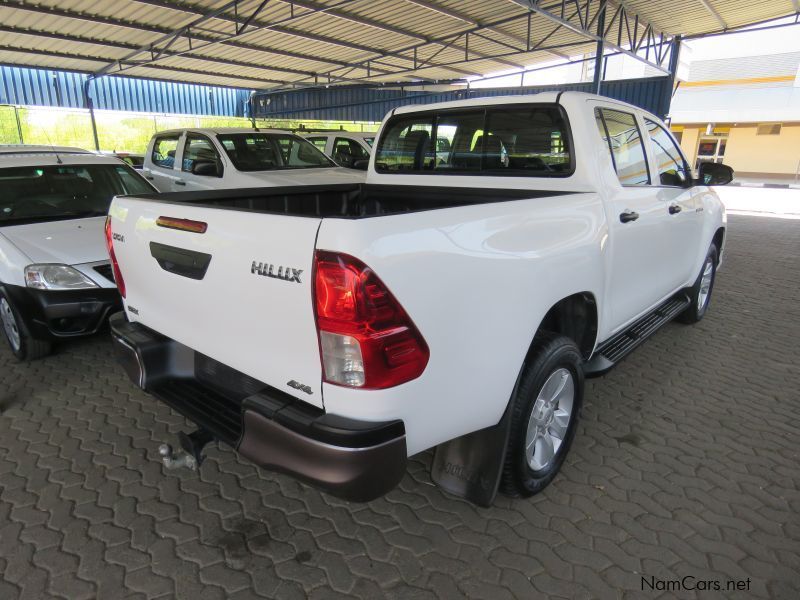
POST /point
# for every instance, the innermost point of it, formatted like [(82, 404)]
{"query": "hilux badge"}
[(269, 270)]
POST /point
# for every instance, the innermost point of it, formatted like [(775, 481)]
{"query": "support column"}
[(19, 125), (598, 57), (675, 51), (90, 105)]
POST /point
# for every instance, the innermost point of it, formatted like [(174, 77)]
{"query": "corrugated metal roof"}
[(307, 42)]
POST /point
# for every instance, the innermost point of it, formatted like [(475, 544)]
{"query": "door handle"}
[(149, 177), (180, 182), (628, 216), (674, 209)]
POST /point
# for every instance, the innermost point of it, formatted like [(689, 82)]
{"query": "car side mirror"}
[(206, 168), (361, 165), (710, 173)]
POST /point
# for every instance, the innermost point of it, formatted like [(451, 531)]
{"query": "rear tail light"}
[(366, 338), (114, 265)]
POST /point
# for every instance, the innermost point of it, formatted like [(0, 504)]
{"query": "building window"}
[(768, 129)]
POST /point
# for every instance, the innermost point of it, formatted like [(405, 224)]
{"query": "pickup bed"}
[(455, 300)]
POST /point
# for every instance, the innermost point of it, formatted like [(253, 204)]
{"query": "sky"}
[(744, 43)]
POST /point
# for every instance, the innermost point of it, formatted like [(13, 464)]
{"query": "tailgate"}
[(250, 308)]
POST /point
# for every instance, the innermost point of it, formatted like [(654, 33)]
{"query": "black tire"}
[(699, 304), (28, 347), (551, 353)]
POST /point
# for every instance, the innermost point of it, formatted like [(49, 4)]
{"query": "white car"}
[(456, 300), (349, 149), (55, 276), (211, 159)]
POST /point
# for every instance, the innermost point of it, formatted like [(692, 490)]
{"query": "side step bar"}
[(614, 350)]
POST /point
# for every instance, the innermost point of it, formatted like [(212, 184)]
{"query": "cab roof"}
[(544, 97), (220, 130), (29, 155), (39, 149)]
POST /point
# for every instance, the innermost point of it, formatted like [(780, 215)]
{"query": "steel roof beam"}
[(449, 12), (123, 46), (649, 37), (708, 6), (186, 31), (286, 30), (359, 20), (450, 39), (136, 26)]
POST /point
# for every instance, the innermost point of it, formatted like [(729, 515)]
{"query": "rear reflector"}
[(366, 338), (111, 255), (182, 224)]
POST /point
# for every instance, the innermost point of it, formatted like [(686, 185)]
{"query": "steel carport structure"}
[(283, 44)]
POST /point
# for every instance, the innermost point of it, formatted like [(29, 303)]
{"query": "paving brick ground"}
[(686, 463)]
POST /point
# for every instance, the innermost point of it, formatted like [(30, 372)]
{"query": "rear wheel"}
[(700, 292), (544, 415), (22, 345)]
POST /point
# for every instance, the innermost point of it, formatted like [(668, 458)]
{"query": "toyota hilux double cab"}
[(55, 275), (348, 148), (455, 301), (223, 158)]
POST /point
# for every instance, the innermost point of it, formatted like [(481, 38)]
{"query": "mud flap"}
[(471, 466)]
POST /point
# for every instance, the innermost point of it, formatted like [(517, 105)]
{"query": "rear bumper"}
[(355, 460), (64, 314)]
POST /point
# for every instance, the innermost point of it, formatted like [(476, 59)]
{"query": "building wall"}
[(748, 153), (768, 154), (689, 137)]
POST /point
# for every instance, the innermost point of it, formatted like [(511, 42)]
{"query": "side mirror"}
[(207, 168), (361, 165), (714, 174)]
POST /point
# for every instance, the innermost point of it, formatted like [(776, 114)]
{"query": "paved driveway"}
[(686, 463)]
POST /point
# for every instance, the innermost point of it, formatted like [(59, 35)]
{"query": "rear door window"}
[(319, 142), (164, 149), (621, 133), (346, 152), (524, 140), (198, 148)]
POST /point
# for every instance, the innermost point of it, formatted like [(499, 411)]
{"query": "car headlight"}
[(56, 277)]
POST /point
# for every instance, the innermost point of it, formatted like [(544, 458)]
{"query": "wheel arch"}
[(719, 241), (576, 317)]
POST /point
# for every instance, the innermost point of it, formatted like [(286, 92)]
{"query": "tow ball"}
[(191, 454)]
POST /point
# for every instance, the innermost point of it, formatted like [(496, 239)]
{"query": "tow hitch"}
[(191, 454)]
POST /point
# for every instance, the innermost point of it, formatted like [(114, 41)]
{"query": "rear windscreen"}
[(54, 192), (530, 140)]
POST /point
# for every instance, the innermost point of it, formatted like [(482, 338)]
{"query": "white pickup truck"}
[(456, 300), (222, 158)]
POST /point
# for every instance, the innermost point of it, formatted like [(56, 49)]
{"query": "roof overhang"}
[(286, 44)]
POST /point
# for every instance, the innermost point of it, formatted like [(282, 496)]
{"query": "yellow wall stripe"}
[(745, 81)]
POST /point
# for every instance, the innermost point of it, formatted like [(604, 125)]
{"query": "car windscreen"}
[(53, 192), (271, 151)]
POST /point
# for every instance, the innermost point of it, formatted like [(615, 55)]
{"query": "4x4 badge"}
[(268, 270), (299, 386)]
